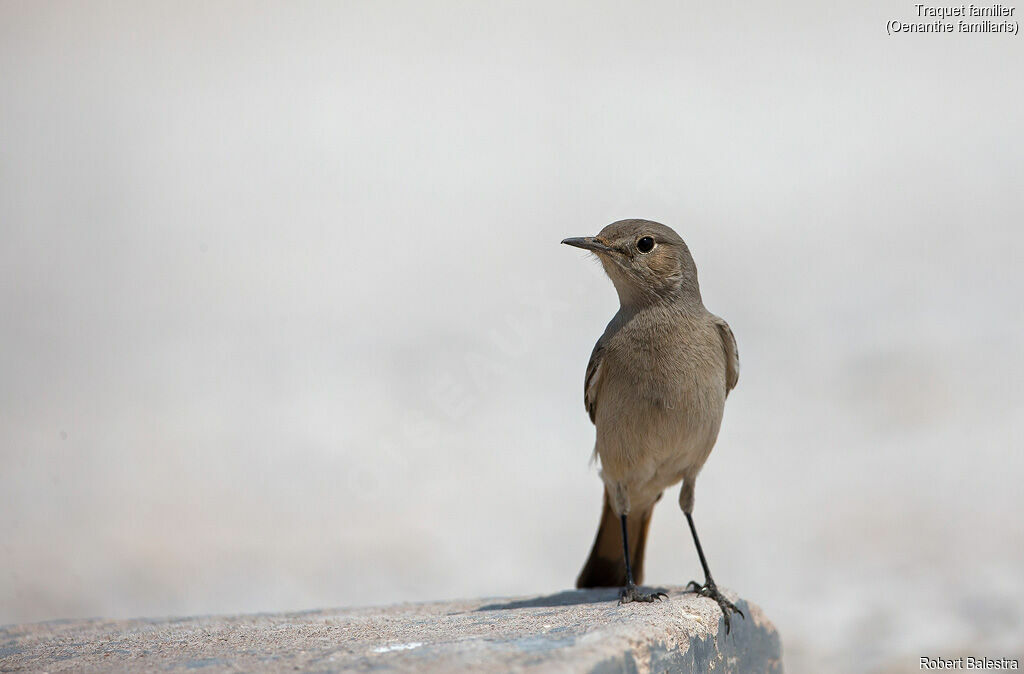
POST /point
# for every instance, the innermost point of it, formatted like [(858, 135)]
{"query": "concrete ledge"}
[(576, 630)]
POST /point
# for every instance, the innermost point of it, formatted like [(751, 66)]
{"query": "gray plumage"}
[(655, 386)]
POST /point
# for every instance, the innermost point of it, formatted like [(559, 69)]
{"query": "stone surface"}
[(576, 630)]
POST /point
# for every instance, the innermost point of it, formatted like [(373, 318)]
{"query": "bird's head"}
[(646, 261)]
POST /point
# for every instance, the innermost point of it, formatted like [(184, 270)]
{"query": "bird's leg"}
[(708, 589), (631, 592)]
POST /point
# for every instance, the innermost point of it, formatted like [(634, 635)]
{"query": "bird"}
[(655, 389)]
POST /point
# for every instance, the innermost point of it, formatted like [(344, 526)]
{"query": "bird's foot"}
[(710, 591), (632, 593)]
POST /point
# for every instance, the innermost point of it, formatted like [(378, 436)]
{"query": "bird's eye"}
[(645, 244)]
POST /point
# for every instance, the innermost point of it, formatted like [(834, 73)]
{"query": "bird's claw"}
[(632, 593), (710, 591)]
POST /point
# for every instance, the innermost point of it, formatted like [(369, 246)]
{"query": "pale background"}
[(286, 323)]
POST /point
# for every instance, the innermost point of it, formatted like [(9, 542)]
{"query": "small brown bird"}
[(655, 389)]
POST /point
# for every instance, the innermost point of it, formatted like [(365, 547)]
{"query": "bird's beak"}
[(587, 243)]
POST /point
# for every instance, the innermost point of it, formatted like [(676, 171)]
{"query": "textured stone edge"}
[(690, 638), (741, 651)]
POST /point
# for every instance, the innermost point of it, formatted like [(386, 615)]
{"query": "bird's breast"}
[(661, 401)]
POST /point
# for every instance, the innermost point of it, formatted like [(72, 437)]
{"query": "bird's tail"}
[(606, 567)]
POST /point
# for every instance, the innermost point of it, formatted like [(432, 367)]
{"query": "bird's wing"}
[(732, 355), (593, 380)]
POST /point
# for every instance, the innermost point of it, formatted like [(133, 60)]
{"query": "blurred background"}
[(286, 321)]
